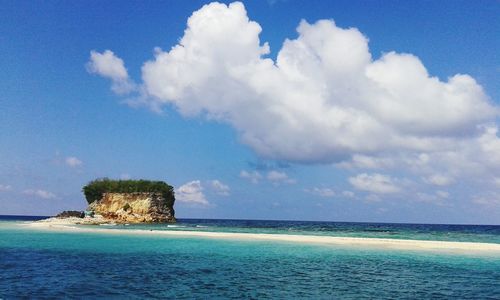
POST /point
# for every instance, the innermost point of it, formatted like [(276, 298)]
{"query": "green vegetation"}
[(95, 189)]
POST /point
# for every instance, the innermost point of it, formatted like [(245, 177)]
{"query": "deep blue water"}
[(21, 218), (43, 264)]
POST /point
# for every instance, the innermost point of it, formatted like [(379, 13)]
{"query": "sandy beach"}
[(68, 225)]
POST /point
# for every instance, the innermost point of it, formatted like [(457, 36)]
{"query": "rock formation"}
[(70, 214), (150, 207)]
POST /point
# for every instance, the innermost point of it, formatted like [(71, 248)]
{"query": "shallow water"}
[(46, 264), (462, 233)]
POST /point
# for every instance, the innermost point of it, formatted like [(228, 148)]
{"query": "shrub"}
[(71, 213)]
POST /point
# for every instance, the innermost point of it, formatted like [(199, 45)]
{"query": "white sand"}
[(70, 221), (415, 245)]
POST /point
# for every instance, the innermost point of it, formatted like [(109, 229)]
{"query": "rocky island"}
[(123, 201)]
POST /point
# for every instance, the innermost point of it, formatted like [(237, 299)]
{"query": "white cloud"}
[(108, 65), (490, 199), (375, 183), (496, 181), (273, 176), (39, 193), (73, 162), (372, 198), (254, 176), (465, 161), (323, 99), (437, 198), (276, 176), (359, 161), (443, 194), (192, 193), (5, 188), (125, 176), (321, 192), (348, 194), (279, 177), (439, 179), (220, 188)]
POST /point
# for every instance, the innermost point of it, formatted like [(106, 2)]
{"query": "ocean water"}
[(56, 264), (462, 233)]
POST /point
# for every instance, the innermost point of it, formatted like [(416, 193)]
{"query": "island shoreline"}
[(64, 225)]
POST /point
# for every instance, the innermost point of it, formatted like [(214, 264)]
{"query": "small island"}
[(123, 201)]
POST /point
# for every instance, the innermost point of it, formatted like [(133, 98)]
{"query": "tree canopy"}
[(96, 188)]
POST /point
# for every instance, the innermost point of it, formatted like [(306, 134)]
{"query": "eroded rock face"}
[(134, 208)]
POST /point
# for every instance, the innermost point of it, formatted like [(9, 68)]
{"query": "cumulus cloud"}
[(475, 161), (273, 176), (110, 66), (73, 162), (321, 192), (359, 161), (348, 194), (375, 183), (276, 175), (489, 199), (439, 179), (279, 177), (325, 98), (5, 188), (253, 177), (191, 193), (39, 193), (220, 188), (438, 198)]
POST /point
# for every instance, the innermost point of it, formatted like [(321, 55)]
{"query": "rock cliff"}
[(149, 207)]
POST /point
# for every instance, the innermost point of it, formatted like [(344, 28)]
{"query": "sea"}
[(53, 264)]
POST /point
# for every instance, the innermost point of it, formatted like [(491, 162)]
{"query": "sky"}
[(364, 111)]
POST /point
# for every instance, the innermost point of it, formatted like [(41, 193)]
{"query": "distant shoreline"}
[(378, 243), (35, 218)]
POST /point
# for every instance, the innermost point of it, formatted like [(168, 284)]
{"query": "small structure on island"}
[(130, 201)]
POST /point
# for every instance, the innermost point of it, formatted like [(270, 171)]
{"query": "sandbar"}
[(380, 243)]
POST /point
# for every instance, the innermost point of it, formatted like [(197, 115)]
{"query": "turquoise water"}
[(43, 264), (461, 233)]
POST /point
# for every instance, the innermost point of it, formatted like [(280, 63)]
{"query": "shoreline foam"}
[(377, 243)]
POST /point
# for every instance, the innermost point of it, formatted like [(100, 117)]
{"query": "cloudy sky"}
[(301, 110)]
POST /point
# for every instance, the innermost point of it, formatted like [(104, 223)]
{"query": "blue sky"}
[(359, 117)]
